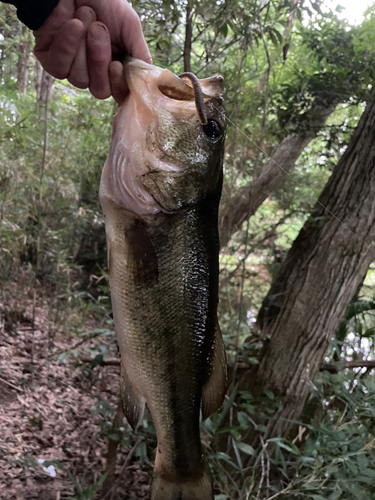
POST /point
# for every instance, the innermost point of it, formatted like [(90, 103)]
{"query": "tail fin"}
[(200, 489)]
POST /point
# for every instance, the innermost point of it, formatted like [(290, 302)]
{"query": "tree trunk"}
[(320, 275), (2, 57), (37, 76), (46, 87), (246, 202), (24, 50), (188, 38)]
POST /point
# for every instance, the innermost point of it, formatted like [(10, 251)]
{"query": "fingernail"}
[(92, 14), (99, 33), (89, 16)]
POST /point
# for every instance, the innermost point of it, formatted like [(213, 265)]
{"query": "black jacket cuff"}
[(33, 13)]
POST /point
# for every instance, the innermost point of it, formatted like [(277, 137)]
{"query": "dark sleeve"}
[(33, 13)]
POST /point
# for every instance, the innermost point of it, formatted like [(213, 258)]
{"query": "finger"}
[(118, 83), (133, 38), (44, 36), (98, 59), (58, 59), (79, 73)]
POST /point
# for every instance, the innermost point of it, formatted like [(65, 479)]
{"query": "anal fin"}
[(214, 389), (133, 404)]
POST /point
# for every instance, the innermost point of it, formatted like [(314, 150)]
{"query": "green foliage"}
[(85, 491), (331, 456), (338, 69), (337, 460)]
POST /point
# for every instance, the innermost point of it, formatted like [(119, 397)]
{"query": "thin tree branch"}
[(188, 38), (336, 367)]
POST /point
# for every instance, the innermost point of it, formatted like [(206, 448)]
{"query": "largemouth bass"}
[(160, 192)]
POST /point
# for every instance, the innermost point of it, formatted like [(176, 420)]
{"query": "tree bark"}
[(246, 202), (46, 87), (320, 275), (24, 51), (37, 76)]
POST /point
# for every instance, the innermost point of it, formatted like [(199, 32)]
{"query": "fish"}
[(160, 191)]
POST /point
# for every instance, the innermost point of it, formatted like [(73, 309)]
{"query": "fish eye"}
[(212, 130)]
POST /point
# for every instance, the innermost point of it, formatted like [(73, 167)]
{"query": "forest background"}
[(297, 274)]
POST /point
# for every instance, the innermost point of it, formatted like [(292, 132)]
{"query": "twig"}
[(10, 385), (112, 450), (288, 488), (104, 362), (77, 344), (262, 477), (336, 367), (126, 463)]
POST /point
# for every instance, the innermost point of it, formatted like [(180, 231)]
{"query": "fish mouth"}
[(153, 77), (146, 79)]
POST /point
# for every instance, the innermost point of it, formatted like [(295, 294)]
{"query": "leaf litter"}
[(51, 444)]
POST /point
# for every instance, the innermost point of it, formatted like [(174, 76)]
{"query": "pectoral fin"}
[(141, 256), (214, 389), (133, 404)]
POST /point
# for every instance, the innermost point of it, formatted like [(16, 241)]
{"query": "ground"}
[(49, 411)]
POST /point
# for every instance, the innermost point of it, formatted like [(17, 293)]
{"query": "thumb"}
[(132, 37)]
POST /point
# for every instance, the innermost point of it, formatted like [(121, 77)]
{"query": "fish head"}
[(162, 157)]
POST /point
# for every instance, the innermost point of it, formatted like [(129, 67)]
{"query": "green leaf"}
[(335, 495), (141, 452), (288, 446), (223, 456), (223, 30), (350, 465), (370, 332), (362, 461), (238, 456), (368, 472), (261, 428), (243, 419), (246, 448), (364, 479), (221, 416), (114, 437), (269, 394), (97, 360)]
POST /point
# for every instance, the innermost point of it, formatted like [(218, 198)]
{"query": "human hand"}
[(78, 39)]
